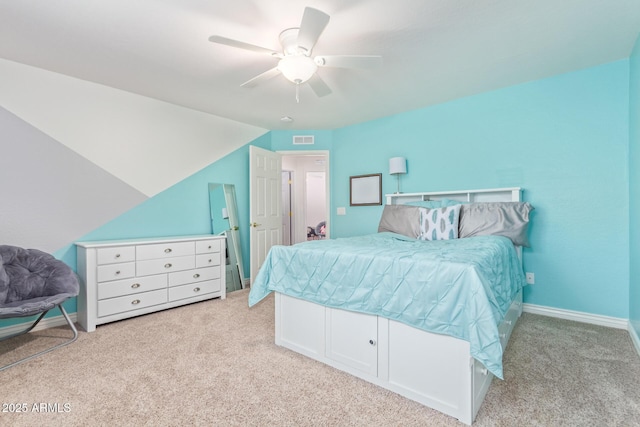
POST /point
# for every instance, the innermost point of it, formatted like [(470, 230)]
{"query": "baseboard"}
[(634, 338), (578, 316), (47, 322)]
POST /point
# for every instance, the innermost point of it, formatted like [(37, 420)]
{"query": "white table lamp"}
[(397, 166)]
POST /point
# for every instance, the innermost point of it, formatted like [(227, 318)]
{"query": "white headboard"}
[(513, 194)]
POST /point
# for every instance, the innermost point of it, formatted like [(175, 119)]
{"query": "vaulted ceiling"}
[(433, 50)]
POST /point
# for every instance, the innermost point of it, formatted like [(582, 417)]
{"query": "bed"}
[(421, 310)]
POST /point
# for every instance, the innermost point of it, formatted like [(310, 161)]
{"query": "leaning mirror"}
[(224, 221)]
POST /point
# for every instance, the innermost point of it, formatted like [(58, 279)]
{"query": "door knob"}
[(254, 224)]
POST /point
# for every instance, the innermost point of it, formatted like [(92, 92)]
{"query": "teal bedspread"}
[(460, 287)]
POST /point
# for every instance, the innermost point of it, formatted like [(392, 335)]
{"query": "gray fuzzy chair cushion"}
[(32, 281)]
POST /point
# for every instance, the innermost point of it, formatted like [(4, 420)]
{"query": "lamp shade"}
[(397, 165), (297, 68)]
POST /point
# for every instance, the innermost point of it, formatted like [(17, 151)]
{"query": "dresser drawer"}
[(207, 260), (207, 246), (191, 276), (194, 289), (156, 266), (111, 306), (163, 250), (134, 285), (116, 271), (113, 255)]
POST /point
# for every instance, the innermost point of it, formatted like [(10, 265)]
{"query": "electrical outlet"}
[(531, 278), (341, 211)]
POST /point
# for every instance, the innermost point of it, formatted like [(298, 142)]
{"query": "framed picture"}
[(365, 190)]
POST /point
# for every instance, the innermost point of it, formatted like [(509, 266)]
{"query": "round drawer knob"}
[(135, 285), (168, 250), (195, 276), (167, 265), (196, 289), (135, 301), (372, 342), (117, 272), (209, 247), (117, 255), (210, 261)]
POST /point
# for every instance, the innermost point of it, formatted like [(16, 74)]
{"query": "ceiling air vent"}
[(303, 140)]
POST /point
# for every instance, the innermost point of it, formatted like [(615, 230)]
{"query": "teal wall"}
[(634, 188), (182, 209), (563, 139), (283, 140)]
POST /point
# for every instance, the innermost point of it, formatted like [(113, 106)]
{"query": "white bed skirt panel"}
[(433, 369)]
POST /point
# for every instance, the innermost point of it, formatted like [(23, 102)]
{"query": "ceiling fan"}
[(295, 61)]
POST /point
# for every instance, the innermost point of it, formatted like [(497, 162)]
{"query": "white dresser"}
[(126, 278)]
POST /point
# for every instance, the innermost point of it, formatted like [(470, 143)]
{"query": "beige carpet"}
[(215, 364)]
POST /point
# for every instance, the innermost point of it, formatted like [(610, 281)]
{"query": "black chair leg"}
[(69, 322)]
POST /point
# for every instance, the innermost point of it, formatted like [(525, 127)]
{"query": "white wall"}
[(74, 154), (51, 195), (148, 144)]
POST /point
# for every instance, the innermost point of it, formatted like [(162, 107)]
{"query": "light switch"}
[(341, 211)]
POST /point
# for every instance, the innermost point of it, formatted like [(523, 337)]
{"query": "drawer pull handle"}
[(195, 276), (117, 272), (508, 322), (372, 342), (503, 335), (167, 265), (135, 301), (196, 289), (167, 251), (484, 371), (135, 285), (117, 255)]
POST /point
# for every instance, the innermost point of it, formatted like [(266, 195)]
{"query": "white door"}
[(265, 205), (287, 209)]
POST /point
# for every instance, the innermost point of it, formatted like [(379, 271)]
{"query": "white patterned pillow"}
[(440, 223)]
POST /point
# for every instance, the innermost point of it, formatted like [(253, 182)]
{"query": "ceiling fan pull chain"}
[(298, 93)]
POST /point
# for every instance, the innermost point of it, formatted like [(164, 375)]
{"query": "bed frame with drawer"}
[(433, 369)]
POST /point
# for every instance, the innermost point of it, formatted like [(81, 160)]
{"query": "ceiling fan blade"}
[(349, 61), (243, 45), (261, 78), (319, 86), (312, 25)]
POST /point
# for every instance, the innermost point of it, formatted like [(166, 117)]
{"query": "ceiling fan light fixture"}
[(297, 68)]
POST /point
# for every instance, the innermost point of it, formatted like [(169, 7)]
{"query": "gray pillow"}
[(401, 219), (509, 219)]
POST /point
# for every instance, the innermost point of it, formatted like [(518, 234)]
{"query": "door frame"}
[(326, 155)]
